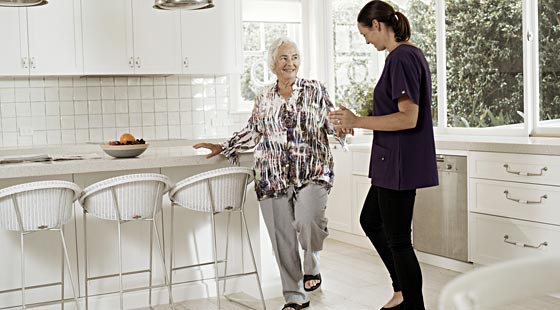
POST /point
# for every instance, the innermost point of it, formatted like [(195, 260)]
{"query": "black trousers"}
[(386, 219)]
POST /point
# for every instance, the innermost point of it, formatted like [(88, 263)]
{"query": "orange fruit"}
[(125, 137)]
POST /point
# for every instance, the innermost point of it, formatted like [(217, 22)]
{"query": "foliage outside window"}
[(356, 64), (549, 47), (484, 63)]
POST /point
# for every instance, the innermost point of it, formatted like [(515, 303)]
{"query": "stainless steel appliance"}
[(440, 213)]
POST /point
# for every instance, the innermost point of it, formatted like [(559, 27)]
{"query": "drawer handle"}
[(545, 196), (523, 245), (525, 173)]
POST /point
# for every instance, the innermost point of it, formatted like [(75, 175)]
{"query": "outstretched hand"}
[(215, 149), (343, 119)]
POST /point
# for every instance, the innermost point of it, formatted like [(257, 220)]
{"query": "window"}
[(484, 63), (358, 65), (263, 22), (549, 65)]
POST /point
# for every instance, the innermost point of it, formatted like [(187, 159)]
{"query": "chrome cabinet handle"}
[(186, 62), (138, 62), (24, 62), (33, 63), (131, 62), (523, 245), (508, 197), (525, 173)]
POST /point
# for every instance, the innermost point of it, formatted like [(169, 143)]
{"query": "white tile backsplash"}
[(67, 110)]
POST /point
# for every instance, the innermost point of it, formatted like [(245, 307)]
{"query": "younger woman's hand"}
[(215, 149), (343, 118)]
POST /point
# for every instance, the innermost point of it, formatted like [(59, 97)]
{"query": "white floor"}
[(355, 278)]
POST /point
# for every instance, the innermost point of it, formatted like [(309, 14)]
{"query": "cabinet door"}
[(211, 39), (360, 189), (339, 210), (54, 38), (13, 54), (107, 36), (157, 39)]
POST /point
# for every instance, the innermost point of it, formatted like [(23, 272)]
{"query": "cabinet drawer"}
[(360, 163), (491, 238), (531, 202), (538, 169)]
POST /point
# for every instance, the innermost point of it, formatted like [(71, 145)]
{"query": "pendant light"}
[(183, 4), (22, 3)]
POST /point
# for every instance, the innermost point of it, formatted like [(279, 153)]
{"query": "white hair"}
[(273, 50)]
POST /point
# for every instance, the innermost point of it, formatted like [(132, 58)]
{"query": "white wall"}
[(66, 110)]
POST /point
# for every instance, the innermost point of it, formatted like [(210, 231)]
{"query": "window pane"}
[(357, 65), (484, 63), (422, 17), (549, 46), (257, 37)]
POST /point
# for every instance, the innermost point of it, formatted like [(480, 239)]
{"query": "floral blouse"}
[(290, 138)]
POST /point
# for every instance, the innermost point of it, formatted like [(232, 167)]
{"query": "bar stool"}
[(34, 207), (134, 197), (214, 192)]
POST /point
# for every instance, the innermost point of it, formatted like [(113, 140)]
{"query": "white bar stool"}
[(214, 192), (133, 197), (34, 207)]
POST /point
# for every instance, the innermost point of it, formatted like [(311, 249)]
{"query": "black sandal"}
[(296, 306), (308, 277)]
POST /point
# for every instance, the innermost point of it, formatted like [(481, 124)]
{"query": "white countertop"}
[(175, 153), (159, 154), (523, 145)]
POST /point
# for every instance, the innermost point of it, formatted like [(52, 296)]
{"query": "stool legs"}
[(162, 254), (244, 227), (69, 271), (121, 291), (215, 250), (22, 272)]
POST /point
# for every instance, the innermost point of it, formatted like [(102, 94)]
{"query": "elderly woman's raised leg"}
[(310, 204)]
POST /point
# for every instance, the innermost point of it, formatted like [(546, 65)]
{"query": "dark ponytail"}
[(385, 13)]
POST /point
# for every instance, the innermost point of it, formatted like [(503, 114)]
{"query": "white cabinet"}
[(41, 40), (514, 205), (211, 39), (13, 54), (349, 192), (339, 210), (129, 36)]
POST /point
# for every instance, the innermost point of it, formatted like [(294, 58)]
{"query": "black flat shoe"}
[(397, 307), (309, 277), (296, 306)]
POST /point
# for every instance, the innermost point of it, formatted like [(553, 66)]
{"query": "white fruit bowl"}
[(124, 151)]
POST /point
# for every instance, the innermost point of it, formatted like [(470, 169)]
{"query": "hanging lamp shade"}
[(183, 4), (22, 3)]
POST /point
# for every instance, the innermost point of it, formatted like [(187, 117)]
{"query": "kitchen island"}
[(192, 238)]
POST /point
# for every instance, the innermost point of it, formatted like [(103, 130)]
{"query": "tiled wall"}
[(67, 110)]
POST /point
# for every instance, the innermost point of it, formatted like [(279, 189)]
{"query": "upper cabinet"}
[(211, 39), (41, 40), (129, 36)]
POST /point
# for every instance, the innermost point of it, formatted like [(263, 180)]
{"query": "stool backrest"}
[(502, 284), (213, 191), (127, 197), (37, 205)]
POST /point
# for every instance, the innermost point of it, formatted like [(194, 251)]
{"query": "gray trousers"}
[(296, 216)]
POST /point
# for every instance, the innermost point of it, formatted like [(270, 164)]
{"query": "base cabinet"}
[(513, 206)]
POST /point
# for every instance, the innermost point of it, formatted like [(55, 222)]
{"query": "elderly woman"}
[(293, 168)]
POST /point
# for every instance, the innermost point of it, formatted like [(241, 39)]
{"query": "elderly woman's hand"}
[(215, 149), (343, 118)]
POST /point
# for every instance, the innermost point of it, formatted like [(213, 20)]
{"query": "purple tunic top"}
[(404, 159)]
